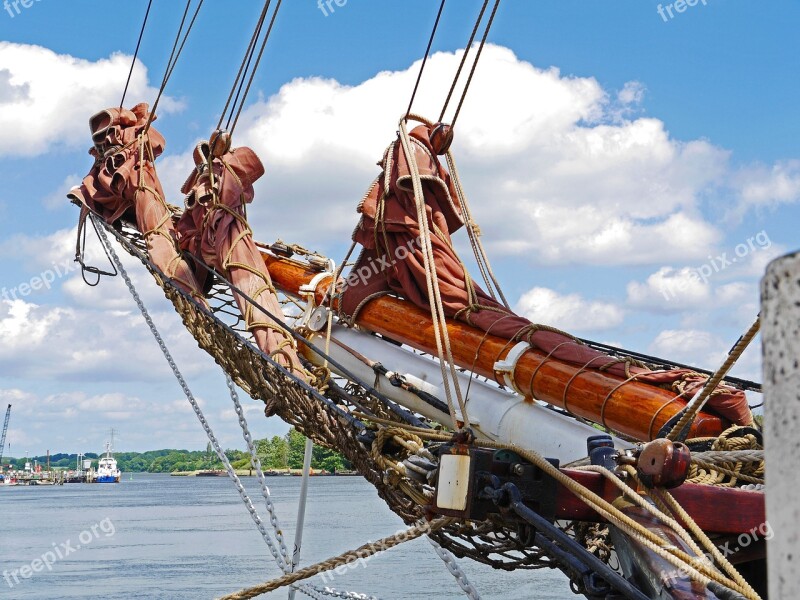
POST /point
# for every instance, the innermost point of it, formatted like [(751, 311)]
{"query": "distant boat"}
[(107, 471), (211, 473)]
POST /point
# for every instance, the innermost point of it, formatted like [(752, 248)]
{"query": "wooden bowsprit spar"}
[(632, 408)]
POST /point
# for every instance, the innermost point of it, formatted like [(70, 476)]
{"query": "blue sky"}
[(610, 156)]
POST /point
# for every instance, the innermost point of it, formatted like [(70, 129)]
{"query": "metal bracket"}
[(507, 366)]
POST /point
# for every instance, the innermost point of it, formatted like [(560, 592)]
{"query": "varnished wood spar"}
[(635, 409)]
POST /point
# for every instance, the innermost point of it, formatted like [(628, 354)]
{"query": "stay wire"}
[(425, 58), (475, 64), (174, 56), (135, 54), (244, 67), (464, 58), (255, 67)]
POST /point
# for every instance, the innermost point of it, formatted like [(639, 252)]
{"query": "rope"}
[(359, 553), (135, 54), (437, 309), (681, 428), (732, 457), (473, 233), (280, 554), (425, 58)]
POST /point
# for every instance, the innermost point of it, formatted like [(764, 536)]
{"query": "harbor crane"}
[(3, 437)]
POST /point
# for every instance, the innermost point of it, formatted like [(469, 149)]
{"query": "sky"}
[(633, 169)]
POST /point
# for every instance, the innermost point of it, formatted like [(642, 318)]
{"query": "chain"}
[(280, 555), (189, 396), (256, 462), (455, 570)]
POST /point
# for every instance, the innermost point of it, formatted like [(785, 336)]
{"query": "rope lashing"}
[(681, 429)]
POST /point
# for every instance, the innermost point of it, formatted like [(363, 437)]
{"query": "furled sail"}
[(123, 182), (389, 233)]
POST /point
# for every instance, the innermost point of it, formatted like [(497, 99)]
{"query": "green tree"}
[(297, 444), (274, 453)]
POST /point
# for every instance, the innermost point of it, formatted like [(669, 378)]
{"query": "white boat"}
[(107, 471)]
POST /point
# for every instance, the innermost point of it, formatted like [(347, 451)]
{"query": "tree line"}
[(276, 453)]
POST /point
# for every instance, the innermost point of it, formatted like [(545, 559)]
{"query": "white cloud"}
[(43, 96), (553, 173), (569, 312), (770, 186), (690, 346), (74, 344), (670, 290)]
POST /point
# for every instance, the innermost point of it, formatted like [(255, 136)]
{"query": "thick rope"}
[(345, 558), (437, 309), (681, 428)]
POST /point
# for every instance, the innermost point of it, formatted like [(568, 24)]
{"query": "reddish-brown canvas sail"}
[(123, 181), (214, 229), (389, 232)]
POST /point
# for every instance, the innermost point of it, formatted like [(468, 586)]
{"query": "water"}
[(184, 537)]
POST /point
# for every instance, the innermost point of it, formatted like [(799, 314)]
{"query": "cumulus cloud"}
[(769, 186), (67, 343), (570, 312), (670, 290), (553, 172), (691, 346), (43, 96)]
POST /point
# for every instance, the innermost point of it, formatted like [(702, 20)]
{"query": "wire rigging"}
[(463, 58), (475, 63), (243, 67), (174, 55), (425, 58), (255, 67), (136, 53)]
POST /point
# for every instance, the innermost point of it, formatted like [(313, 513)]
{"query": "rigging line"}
[(244, 67), (255, 67), (464, 58), (136, 53), (425, 58), (174, 56), (475, 64)]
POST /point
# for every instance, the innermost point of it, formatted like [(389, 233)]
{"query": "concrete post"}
[(780, 314)]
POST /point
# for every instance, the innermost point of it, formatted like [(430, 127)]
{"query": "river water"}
[(157, 536)]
